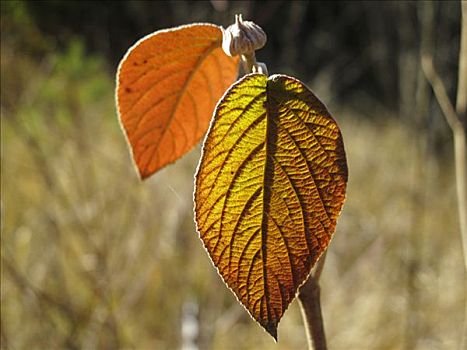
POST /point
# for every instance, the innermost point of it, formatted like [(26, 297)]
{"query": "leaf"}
[(269, 188), (168, 84)]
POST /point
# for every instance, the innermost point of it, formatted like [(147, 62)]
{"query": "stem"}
[(455, 117), (251, 66), (248, 61), (460, 151), (310, 305), (461, 101), (459, 134)]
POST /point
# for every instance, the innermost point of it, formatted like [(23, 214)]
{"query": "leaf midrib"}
[(266, 207), (201, 60)]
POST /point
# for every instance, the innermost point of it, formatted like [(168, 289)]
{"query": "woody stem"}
[(310, 305), (248, 61)]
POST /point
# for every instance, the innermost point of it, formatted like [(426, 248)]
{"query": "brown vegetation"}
[(93, 258)]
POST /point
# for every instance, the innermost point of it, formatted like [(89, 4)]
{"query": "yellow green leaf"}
[(269, 188), (168, 84)]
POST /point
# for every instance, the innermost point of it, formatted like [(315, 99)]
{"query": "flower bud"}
[(242, 37)]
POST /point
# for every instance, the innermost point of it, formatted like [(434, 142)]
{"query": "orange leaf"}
[(168, 84), (269, 188)]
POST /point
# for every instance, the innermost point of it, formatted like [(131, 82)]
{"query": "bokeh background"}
[(92, 258)]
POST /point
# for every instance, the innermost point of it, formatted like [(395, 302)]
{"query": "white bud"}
[(242, 37)]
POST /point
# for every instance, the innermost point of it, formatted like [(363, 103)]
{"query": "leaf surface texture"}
[(168, 84), (269, 188)]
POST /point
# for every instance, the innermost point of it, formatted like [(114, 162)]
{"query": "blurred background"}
[(92, 258)]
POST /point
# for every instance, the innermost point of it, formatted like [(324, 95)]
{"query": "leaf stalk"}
[(310, 306)]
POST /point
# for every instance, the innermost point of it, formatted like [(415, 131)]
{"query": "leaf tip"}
[(272, 330), (143, 174), (143, 177)]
